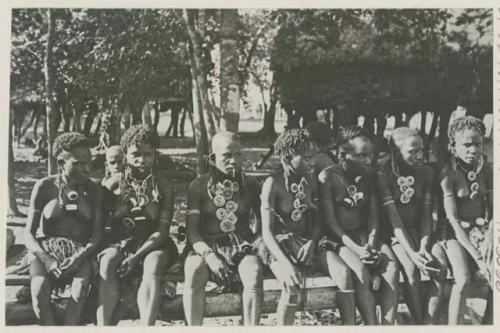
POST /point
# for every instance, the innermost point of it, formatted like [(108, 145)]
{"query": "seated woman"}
[(348, 202), (63, 230), (138, 243), (467, 185), (406, 188), (321, 135), (291, 227), (218, 228)]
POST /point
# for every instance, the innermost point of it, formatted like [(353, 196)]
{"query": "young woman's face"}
[(412, 151), (228, 156), (114, 162), (75, 164), (140, 158), (359, 154), (303, 163), (469, 145)]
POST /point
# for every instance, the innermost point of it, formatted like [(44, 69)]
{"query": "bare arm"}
[(450, 207), (373, 223), (165, 219), (97, 226), (426, 227), (389, 205), (328, 213), (33, 222), (268, 198), (193, 219)]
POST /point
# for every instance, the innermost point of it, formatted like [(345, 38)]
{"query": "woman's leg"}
[(250, 272), (412, 283), (79, 295), (488, 312), (109, 286), (40, 293), (390, 283), (196, 274), (289, 300), (436, 290), (459, 265), (149, 293), (362, 278), (331, 264)]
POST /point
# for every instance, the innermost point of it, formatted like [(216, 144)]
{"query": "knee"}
[(195, 272), (291, 296), (462, 280), (412, 273), (40, 289), (391, 269), (250, 272), (108, 263), (79, 290), (343, 278), (363, 274), (154, 264)]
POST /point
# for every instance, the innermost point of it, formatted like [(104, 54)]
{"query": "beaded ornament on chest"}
[(405, 183), (68, 198), (472, 178), (299, 205), (224, 196)]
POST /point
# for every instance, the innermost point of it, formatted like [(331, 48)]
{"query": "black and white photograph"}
[(250, 166)]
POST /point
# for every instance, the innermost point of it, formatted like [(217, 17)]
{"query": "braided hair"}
[(291, 141), (136, 135), (349, 133), (67, 142), (459, 125)]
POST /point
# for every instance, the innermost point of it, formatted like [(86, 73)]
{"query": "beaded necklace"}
[(354, 197), (67, 198), (222, 195), (405, 183), (471, 178)]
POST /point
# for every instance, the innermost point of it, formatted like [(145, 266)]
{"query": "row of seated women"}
[(340, 215)]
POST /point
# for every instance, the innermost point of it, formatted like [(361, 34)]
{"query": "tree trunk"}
[(229, 76), (13, 210), (200, 131), (444, 118), (183, 122), (89, 120), (50, 99), (423, 123), (77, 116), (35, 125), (200, 73)]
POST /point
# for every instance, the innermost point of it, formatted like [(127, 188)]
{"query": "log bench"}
[(320, 293)]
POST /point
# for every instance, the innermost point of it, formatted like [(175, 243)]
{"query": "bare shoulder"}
[(113, 182), (329, 174), (446, 173), (199, 184)]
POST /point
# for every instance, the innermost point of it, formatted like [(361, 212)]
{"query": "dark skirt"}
[(231, 248)]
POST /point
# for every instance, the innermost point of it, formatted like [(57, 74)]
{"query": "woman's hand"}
[(306, 252), (291, 275), (127, 266), (219, 267), (71, 264)]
